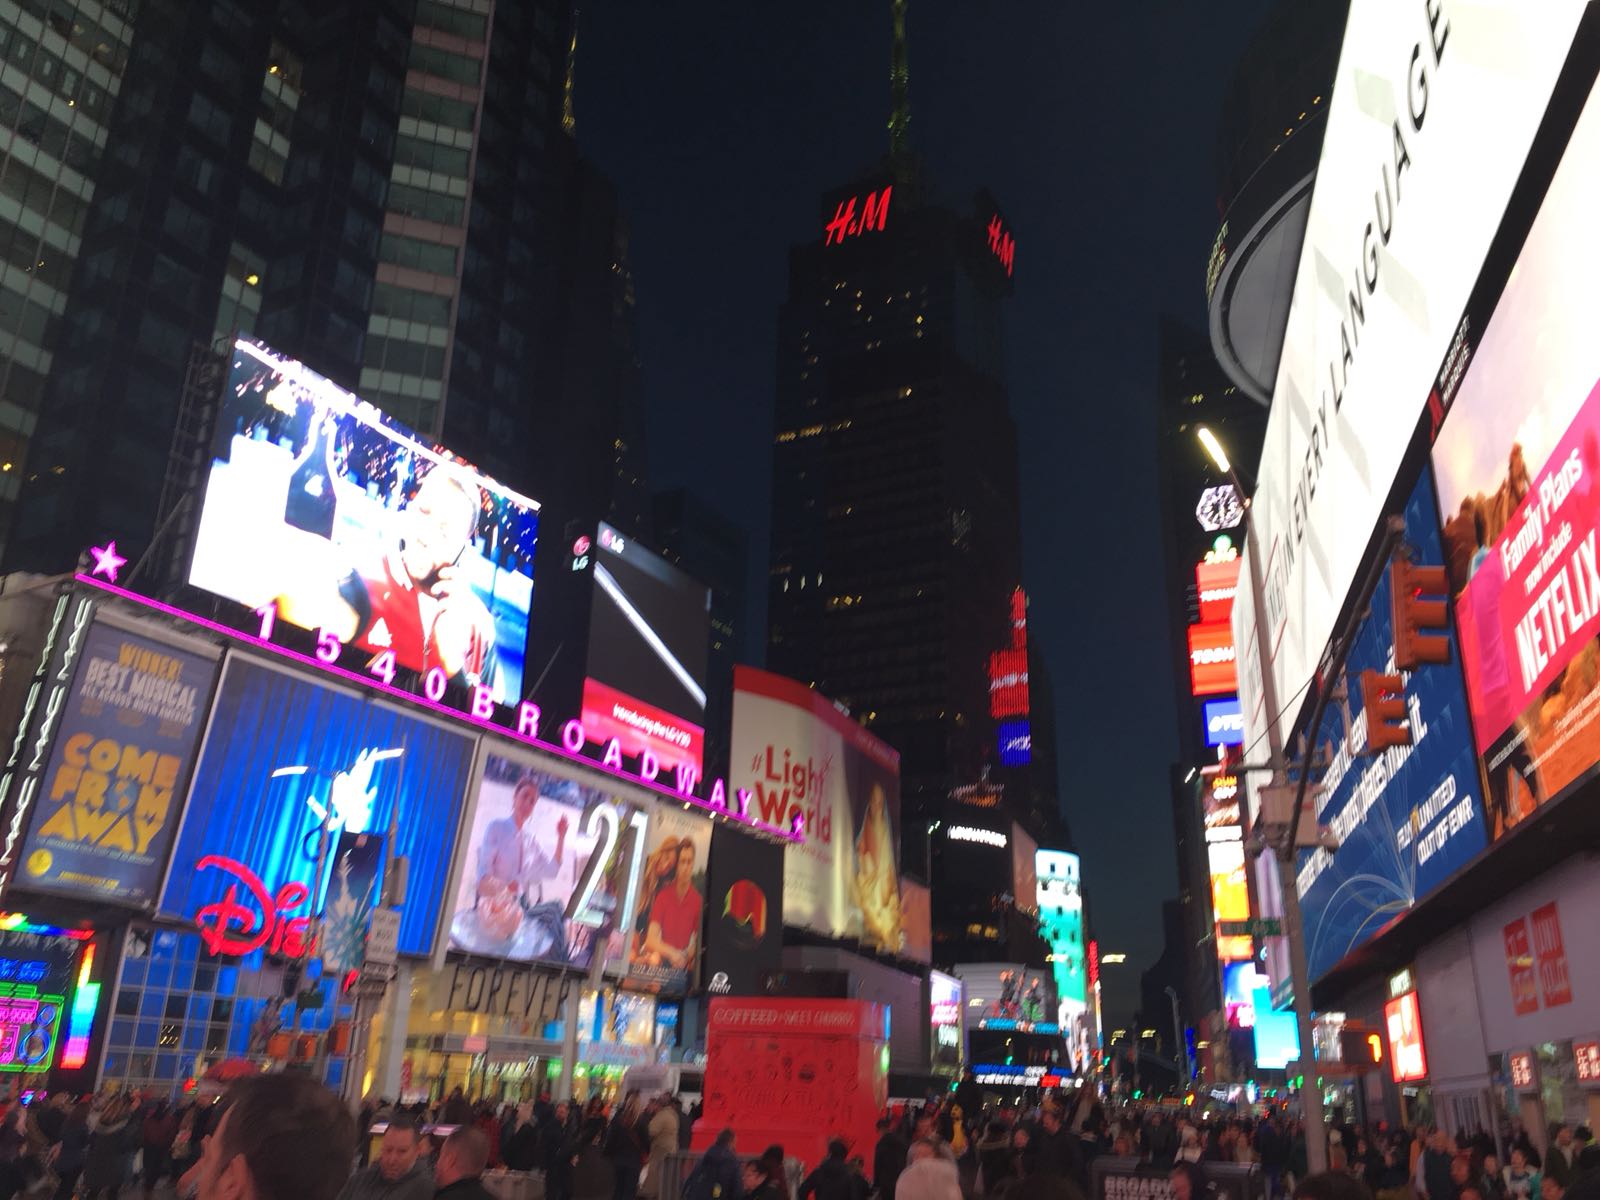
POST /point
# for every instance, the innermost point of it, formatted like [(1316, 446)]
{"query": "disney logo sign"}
[(232, 927)]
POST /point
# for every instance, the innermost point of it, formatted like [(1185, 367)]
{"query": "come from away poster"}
[(114, 785)]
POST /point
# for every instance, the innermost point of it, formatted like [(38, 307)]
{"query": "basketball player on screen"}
[(414, 599)]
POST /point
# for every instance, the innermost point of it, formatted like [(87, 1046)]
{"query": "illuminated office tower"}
[(895, 527)]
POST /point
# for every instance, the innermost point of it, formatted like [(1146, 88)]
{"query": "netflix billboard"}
[(1517, 459)]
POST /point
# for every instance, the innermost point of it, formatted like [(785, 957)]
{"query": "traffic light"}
[(1408, 583), (1383, 707), (1360, 1048)]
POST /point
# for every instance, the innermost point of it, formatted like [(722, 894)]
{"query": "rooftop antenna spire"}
[(569, 120), (900, 88)]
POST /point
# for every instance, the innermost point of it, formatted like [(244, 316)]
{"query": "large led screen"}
[(1060, 897), (1517, 461), (318, 503), (744, 912), (288, 764), (649, 633), (1405, 819), (799, 756), (1230, 896), (530, 889), (113, 789), (662, 950)]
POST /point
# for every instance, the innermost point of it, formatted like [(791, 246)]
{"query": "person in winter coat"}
[(661, 1138), (519, 1140), (833, 1179), (625, 1148), (68, 1154), (591, 1175), (717, 1176), (160, 1129), (113, 1137), (458, 1175)]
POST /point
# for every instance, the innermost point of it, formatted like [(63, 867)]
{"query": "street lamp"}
[(1284, 852)]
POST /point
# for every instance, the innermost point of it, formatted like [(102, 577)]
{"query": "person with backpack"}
[(717, 1175)]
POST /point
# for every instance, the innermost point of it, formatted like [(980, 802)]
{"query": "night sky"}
[(1094, 126)]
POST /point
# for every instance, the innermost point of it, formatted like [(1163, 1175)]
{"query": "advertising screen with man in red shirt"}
[(663, 949)]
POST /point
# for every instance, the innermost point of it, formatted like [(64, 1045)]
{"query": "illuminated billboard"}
[(649, 639), (1516, 462), (287, 765), (1408, 1058), (1016, 743), (1216, 581), (1276, 1034), (1060, 896), (1230, 896), (1400, 222), (340, 520), (1224, 722), (1211, 659), (113, 788), (797, 755), (1407, 819)]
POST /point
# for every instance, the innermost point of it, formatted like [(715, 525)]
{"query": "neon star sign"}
[(107, 562)]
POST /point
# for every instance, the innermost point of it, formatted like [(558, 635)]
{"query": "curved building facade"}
[(1272, 123)]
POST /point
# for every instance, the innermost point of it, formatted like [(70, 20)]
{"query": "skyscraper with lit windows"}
[(389, 190)]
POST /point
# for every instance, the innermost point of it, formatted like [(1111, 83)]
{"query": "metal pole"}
[(1299, 972), (1179, 1047)]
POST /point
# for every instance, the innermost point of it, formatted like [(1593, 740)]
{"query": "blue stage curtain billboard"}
[(1408, 818), (114, 785), (285, 756)]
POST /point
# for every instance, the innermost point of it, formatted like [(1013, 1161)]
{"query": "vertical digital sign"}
[(1408, 1060), (1060, 898), (649, 648), (1008, 689)]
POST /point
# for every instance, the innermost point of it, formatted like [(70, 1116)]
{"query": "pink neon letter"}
[(572, 736), (528, 719), (649, 766), (743, 796), (798, 825), (435, 683), (613, 755), (687, 778), (719, 796), (482, 703)]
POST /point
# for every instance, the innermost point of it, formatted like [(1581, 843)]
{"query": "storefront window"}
[(178, 1013), (1564, 1100)]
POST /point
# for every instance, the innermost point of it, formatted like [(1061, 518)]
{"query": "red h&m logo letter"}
[(1554, 980), (1002, 244), (874, 215), (1519, 963)]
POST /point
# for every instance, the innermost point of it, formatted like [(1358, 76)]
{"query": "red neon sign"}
[(1008, 683), (874, 215), (1216, 582), (229, 927), (1212, 667), (1408, 1061), (1001, 244)]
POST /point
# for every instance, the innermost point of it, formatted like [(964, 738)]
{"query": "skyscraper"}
[(895, 533), (386, 189)]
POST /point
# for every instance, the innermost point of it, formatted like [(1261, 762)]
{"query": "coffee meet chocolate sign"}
[(498, 990)]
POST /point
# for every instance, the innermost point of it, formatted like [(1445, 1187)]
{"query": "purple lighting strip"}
[(454, 714)]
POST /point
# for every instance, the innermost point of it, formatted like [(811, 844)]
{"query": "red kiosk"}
[(799, 1072)]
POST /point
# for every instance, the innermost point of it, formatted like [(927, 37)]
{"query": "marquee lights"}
[(682, 784), (970, 833), (80, 1020)]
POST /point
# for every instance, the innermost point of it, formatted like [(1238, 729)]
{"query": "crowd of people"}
[(285, 1137)]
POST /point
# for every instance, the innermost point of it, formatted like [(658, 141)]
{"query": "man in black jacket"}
[(888, 1159), (833, 1180), (462, 1159)]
